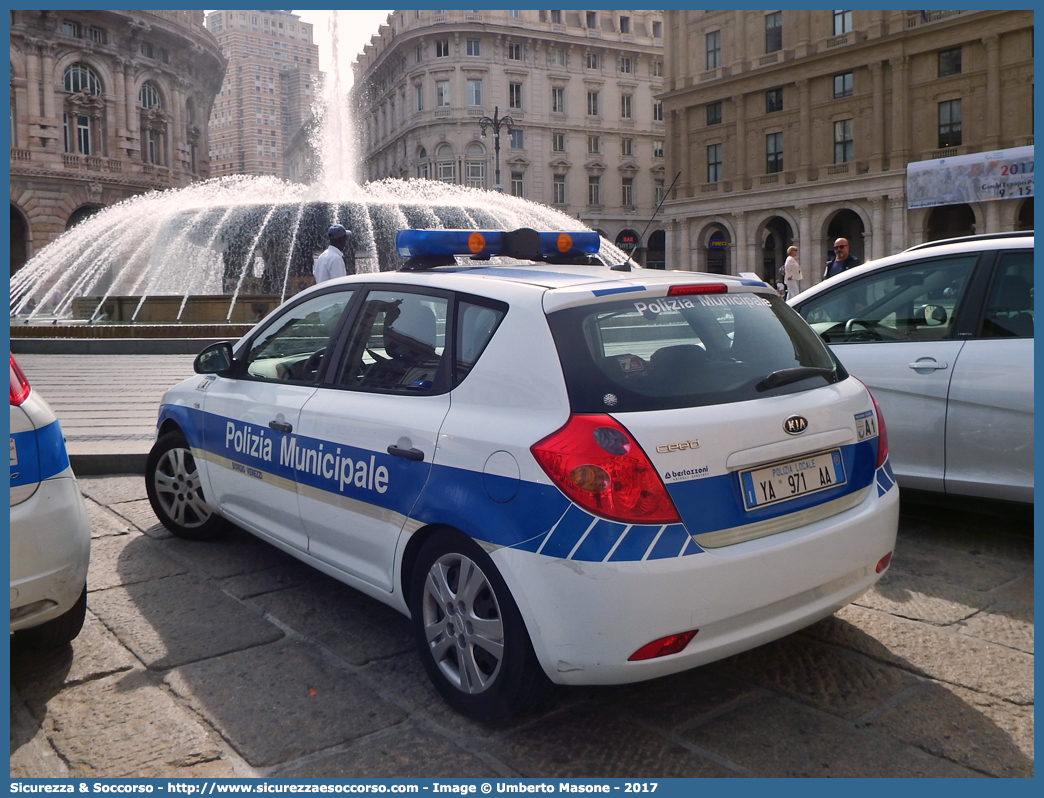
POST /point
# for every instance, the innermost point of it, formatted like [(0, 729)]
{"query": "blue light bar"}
[(485, 243)]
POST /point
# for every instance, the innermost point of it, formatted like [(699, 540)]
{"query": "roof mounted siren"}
[(428, 249)]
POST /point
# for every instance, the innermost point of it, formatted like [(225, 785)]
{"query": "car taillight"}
[(882, 433), (671, 644), (19, 384), (597, 464)]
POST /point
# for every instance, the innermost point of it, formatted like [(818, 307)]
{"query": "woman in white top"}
[(792, 272)]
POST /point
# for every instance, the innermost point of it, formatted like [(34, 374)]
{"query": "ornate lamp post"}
[(495, 124)]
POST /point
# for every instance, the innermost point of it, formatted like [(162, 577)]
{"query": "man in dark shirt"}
[(842, 261)]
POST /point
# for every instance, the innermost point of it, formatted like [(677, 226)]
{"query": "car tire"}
[(173, 486), (470, 633), (57, 631)]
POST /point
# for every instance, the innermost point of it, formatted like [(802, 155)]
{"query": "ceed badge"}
[(682, 446), (795, 425)]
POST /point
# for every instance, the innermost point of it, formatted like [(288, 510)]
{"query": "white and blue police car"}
[(560, 471), (50, 528)]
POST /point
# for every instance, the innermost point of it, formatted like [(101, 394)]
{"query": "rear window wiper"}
[(787, 376)]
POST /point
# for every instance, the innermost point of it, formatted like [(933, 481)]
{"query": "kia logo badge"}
[(795, 425)]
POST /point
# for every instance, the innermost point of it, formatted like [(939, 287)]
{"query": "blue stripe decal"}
[(600, 541), (41, 454), (888, 469), (671, 543), (568, 533), (635, 543), (627, 289), (539, 519)]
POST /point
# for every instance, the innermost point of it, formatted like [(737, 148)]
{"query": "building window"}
[(419, 91), (514, 52), (558, 57), (713, 49), (594, 193), (145, 48), (472, 46), (514, 14), (843, 85), (442, 94), (558, 189), (773, 100), (774, 152), (594, 144), (556, 17), (657, 27), (558, 142), (627, 146), (658, 190), (418, 52), (625, 106), (950, 123), (626, 66), (657, 110), (516, 139), (842, 22), (627, 192), (442, 48), (657, 148), (80, 77), (78, 139), (517, 188), (98, 35), (592, 103), (714, 163), (148, 96), (774, 32), (625, 24), (475, 174), (592, 19), (447, 172), (714, 113), (515, 95), (71, 29), (950, 62), (474, 92), (592, 60), (843, 141), (557, 100), (657, 69)]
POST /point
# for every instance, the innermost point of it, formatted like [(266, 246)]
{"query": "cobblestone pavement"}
[(231, 659)]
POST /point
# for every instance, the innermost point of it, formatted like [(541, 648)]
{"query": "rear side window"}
[(686, 351), (1009, 310)]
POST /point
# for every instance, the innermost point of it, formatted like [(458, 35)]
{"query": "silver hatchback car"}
[(943, 335)]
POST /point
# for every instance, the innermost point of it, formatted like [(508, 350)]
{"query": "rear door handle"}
[(410, 454), (928, 363), (280, 426)]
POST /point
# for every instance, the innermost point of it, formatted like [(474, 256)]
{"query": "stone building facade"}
[(104, 105), (796, 127), (586, 133), (266, 98)]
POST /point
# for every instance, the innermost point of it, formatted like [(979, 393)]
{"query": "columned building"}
[(796, 127), (266, 98), (586, 132), (104, 105)]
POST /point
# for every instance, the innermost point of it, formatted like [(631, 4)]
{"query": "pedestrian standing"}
[(331, 263), (792, 272), (842, 261)]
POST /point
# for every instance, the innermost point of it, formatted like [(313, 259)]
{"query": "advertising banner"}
[(984, 176)]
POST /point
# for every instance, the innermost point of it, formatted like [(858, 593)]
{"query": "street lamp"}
[(495, 123)]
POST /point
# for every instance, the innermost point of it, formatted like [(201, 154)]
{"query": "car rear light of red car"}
[(597, 464), (19, 384), (671, 644)]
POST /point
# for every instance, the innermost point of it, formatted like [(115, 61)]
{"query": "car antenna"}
[(625, 266)]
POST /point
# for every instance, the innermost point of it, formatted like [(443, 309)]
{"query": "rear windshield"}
[(687, 351)]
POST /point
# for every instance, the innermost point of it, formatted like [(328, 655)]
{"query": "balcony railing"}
[(917, 18), (20, 155)]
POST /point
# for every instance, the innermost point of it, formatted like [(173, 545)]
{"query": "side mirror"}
[(215, 359), (934, 314)]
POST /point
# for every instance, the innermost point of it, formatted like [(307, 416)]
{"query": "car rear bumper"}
[(50, 552), (586, 619)]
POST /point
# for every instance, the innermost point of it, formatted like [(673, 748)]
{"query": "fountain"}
[(228, 250)]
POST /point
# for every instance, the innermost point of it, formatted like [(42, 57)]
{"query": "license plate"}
[(781, 482)]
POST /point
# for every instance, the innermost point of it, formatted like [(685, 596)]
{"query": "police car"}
[(560, 471), (50, 528)]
